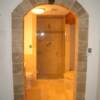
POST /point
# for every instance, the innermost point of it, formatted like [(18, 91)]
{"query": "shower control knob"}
[(89, 50)]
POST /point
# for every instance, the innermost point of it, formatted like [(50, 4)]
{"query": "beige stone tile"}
[(67, 3)]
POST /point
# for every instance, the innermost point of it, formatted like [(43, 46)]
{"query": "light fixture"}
[(38, 10), (42, 34), (51, 1)]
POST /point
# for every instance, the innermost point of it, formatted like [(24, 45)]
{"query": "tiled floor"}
[(58, 89)]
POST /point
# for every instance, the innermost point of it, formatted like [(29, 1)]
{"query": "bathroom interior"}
[(50, 53)]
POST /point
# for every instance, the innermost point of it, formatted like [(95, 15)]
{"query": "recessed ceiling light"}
[(38, 10)]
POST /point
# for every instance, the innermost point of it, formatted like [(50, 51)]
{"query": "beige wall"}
[(30, 44), (6, 86), (67, 47), (71, 43), (70, 47)]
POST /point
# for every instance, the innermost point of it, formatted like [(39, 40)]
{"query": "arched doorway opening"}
[(50, 52), (18, 45)]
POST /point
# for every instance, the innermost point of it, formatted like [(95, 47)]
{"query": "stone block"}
[(17, 67), (19, 89), (82, 66), (83, 34), (18, 23), (82, 57), (82, 12), (76, 6), (18, 11), (67, 3), (81, 87), (18, 58), (81, 77), (19, 97), (23, 8), (80, 96), (83, 23), (19, 79)]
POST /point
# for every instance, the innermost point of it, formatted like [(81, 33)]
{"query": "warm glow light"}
[(38, 10), (42, 34)]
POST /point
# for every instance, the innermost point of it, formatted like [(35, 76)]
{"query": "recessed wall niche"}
[(18, 45)]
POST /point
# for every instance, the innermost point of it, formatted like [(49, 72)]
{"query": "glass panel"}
[(50, 47), (50, 55)]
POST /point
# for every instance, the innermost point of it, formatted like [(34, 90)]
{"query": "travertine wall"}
[(18, 44), (51, 46), (30, 23)]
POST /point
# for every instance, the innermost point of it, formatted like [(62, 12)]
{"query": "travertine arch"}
[(18, 44)]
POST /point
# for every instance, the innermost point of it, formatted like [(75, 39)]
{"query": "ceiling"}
[(53, 9)]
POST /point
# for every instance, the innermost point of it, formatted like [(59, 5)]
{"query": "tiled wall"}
[(50, 47)]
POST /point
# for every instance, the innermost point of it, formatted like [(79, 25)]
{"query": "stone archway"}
[(18, 44)]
